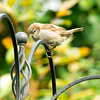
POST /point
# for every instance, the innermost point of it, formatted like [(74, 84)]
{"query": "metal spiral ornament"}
[(21, 41)]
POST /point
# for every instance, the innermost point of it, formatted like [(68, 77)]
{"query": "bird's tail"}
[(70, 32)]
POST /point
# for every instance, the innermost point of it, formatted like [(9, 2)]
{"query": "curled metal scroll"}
[(74, 83)]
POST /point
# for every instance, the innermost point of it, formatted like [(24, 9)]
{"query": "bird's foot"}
[(49, 51), (48, 55)]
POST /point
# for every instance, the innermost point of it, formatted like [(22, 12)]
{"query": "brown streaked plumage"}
[(52, 34)]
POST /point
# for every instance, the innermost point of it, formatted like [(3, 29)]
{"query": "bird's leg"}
[(49, 56), (53, 47), (49, 51)]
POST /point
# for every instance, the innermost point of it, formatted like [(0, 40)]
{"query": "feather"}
[(52, 27), (70, 32)]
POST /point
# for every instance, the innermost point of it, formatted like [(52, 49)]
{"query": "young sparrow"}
[(52, 34)]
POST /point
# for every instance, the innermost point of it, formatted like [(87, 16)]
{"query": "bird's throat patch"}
[(31, 35)]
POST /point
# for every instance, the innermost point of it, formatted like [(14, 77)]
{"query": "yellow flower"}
[(84, 51), (77, 53), (7, 42), (62, 13)]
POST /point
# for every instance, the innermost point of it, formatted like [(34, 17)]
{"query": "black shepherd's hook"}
[(12, 30)]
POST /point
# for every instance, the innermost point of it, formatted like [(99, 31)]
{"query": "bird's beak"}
[(31, 35)]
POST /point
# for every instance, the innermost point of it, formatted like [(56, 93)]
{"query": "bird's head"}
[(33, 29)]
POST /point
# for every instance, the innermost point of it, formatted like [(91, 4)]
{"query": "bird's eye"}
[(34, 31)]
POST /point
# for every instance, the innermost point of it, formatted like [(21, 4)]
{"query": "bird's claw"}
[(49, 56)]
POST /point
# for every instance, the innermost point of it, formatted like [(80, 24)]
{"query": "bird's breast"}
[(52, 38)]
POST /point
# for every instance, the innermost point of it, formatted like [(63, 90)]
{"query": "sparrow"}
[(52, 34)]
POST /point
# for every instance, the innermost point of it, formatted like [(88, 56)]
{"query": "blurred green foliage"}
[(75, 58)]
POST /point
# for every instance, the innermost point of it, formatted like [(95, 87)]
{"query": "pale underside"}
[(51, 37)]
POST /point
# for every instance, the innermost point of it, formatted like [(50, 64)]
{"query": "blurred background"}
[(75, 58)]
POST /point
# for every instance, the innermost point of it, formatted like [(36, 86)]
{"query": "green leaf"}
[(98, 4), (86, 4)]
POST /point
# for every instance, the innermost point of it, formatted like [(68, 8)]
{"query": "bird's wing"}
[(61, 31), (52, 27)]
